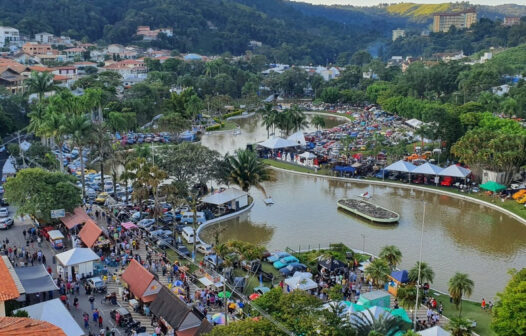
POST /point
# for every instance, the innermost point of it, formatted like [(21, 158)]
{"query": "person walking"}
[(24, 233), (86, 320), (76, 302), (95, 315), (100, 321)]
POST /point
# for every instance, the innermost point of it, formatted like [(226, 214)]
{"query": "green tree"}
[(385, 324), (377, 271), (318, 121), (509, 107), (392, 255), (330, 95), (40, 83), (246, 170), (460, 327), (406, 295), (36, 192), (460, 285), (247, 327), (80, 130), (509, 313), (426, 273)]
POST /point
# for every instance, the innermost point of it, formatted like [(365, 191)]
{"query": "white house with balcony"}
[(9, 36)]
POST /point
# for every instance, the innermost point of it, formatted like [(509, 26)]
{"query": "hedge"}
[(215, 127)]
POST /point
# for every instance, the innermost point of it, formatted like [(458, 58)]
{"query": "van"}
[(188, 217), (188, 234)]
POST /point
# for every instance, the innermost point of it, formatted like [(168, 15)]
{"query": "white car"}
[(205, 249), (4, 212), (6, 223)]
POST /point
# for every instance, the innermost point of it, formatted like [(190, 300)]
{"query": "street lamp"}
[(363, 240)]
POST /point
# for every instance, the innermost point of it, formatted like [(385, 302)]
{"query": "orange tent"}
[(90, 233), (78, 216)]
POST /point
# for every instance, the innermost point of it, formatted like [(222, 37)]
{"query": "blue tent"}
[(400, 276), (344, 169)]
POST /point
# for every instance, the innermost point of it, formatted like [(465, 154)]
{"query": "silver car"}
[(6, 223), (4, 212)]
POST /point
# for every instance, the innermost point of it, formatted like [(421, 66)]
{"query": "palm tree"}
[(426, 273), (460, 327), (318, 121), (55, 126), (385, 324), (459, 285), (245, 170), (40, 83), (152, 176), (37, 117), (377, 271), (392, 255), (406, 295), (79, 127)]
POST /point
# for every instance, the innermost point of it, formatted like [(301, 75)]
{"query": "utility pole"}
[(194, 224), (419, 267), (225, 301)]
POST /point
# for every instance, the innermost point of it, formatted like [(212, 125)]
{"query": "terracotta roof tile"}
[(21, 326), (8, 288), (78, 216), (90, 233)]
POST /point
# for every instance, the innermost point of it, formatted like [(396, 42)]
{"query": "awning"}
[(400, 276), (54, 312), (401, 166), (344, 169), (455, 171), (9, 167), (427, 169), (223, 197), (76, 256), (79, 216), (140, 281), (35, 279), (298, 138), (307, 155), (90, 233), (277, 143), (492, 186), (129, 225), (302, 283), (171, 308)]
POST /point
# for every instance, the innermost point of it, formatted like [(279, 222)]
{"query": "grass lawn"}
[(470, 310), (228, 125), (285, 165)]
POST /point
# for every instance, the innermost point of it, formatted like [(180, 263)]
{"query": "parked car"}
[(146, 223), (125, 316), (277, 256), (165, 242), (205, 249), (285, 261), (183, 250), (4, 212), (3, 202), (97, 285), (290, 269), (447, 181), (101, 198), (160, 233), (6, 223)]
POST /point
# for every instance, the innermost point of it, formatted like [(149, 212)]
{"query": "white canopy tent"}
[(9, 167), (77, 260), (54, 312), (428, 169), (307, 156), (277, 143), (434, 331), (455, 171), (235, 198), (298, 138), (301, 282), (401, 166)]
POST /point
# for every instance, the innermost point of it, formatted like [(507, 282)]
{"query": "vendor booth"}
[(300, 282), (77, 261), (277, 143), (79, 216), (375, 298), (54, 312), (229, 199), (141, 282), (35, 279), (396, 279), (90, 233)]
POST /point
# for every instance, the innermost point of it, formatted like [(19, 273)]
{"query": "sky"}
[(376, 2)]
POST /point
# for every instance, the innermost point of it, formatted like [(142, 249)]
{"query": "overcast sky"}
[(376, 2)]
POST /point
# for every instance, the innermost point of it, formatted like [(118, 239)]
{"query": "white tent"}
[(9, 167), (301, 282), (307, 155), (54, 312), (76, 256), (227, 196), (415, 123), (435, 331), (401, 166), (428, 169), (298, 138), (455, 171), (277, 143)]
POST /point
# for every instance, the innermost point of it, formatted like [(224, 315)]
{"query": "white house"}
[(44, 37), (9, 36), (500, 90)]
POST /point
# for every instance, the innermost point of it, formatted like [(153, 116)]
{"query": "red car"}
[(447, 181), (44, 231)]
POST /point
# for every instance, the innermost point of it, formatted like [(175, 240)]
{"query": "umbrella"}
[(219, 318), (492, 186), (178, 290), (222, 294), (254, 296), (178, 283)]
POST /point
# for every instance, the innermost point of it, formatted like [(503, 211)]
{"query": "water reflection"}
[(238, 229)]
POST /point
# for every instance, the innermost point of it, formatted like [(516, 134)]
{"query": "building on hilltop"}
[(511, 21), (9, 36), (442, 22), (398, 33), (150, 35)]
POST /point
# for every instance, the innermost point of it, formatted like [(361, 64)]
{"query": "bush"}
[(215, 127), (231, 114)]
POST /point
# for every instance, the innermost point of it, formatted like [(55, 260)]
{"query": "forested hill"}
[(207, 26)]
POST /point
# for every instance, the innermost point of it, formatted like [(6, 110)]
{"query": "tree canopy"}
[(509, 312)]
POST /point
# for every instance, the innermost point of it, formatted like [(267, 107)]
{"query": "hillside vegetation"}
[(419, 10), (511, 61)]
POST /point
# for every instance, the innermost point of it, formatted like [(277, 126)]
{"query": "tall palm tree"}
[(37, 117), (392, 255), (79, 127), (318, 121), (385, 324), (377, 271), (40, 83), (246, 170), (459, 285), (426, 273), (406, 295), (55, 127), (152, 176), (460, 327)]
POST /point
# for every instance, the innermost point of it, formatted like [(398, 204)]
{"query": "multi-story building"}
[(8, 36), (398, 33), (150, 35), (44, 37), (511, 21), (461, 20), (33, 49)]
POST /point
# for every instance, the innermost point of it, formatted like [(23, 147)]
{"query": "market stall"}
[(77, 261)]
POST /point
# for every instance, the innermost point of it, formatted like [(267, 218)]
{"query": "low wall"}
[(221, 219), (413, 187)]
